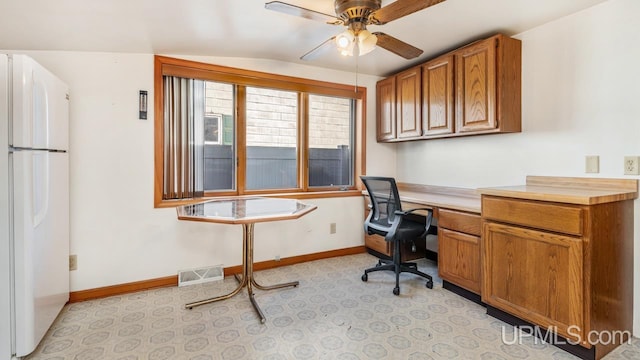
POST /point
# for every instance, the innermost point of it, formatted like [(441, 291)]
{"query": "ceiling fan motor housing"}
[(356, 10)]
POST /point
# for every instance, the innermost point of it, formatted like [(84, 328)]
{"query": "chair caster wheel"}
[(396, 291), (365, 277), (430, 284)]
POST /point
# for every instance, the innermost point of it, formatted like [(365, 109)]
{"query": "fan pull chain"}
[(356, 52)]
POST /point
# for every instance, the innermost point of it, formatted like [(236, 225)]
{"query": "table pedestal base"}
[(246, 280)]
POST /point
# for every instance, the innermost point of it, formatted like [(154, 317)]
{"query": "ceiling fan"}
[(356, 15)]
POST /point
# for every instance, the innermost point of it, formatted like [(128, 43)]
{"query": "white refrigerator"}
[(34, 203)]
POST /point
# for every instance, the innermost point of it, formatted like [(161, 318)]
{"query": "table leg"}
[(248, 236), (276, 286), (247, 276)]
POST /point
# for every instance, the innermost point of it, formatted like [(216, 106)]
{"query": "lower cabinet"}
[(459, 249), (566, 268), (537, 276)]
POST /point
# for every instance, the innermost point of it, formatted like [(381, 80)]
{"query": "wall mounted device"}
[(142, 105)]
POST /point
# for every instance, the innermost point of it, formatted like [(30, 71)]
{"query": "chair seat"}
[(409, 230)]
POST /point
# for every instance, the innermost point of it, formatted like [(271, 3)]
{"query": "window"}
[(222, 131), (212, 134), (271, 139), (331, 141)]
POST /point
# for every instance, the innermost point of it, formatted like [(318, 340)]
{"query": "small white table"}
[(247, 212)]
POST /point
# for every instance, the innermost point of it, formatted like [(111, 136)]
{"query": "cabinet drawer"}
[(459, 221), (541, 215), (377, 243)]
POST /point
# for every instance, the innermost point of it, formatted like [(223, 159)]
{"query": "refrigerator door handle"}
[(40, 111), (40, 184)]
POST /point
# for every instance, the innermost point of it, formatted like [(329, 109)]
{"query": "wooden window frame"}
[(242, 78)]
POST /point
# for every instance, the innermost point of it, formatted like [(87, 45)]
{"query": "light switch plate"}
[(592, 164)]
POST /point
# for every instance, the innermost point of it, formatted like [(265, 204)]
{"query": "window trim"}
[(198, 70)]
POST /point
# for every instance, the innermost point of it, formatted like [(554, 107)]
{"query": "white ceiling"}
[(244, 28)]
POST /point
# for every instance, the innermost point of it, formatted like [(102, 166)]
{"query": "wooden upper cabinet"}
[(476, 77), (437, 96), (488, 86), (386, 109), (408, 104), (472, 90)]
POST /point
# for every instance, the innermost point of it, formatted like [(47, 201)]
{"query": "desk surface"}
[(438, 197), (586, 191), (244, 210)]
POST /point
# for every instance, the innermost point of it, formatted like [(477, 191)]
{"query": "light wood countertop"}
[(569, 190), (439, 197), (581, 191), (455, 201)]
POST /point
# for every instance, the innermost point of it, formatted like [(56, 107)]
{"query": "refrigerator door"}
[(5, 264), (40, 116), (41, 243)]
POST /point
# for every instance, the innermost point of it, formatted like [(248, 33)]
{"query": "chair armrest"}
[(429, 218)]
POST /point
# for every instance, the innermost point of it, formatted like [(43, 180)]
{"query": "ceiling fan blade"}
[(398, 9), (396, 46), (319, 50), (302, 12)]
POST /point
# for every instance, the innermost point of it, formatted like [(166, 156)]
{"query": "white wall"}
[(115, 231), (580, 97)]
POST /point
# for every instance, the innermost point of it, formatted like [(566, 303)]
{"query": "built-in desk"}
[(555, 254)]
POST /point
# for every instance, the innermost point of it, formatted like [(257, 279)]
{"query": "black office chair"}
[(387, 219)]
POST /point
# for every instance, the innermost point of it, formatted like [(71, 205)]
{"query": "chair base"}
[(397, 269)]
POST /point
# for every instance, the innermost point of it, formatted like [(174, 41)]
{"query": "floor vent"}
[(200, 275)]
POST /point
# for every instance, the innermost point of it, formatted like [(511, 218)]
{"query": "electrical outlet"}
[(631, 165), (277, 258), (73, 262), (592, 164), (332, 228)]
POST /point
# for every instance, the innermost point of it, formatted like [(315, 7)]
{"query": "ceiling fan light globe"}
[(342, 42), (345, 40), (366, 42)]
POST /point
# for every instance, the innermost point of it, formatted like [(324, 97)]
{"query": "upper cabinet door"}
[(437, 96), (476, 86), (408, 108), (386, 109)]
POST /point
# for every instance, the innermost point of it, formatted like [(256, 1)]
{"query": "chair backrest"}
[(383, 194)]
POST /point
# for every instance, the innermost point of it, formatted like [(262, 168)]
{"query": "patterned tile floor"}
[(331, 315)]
